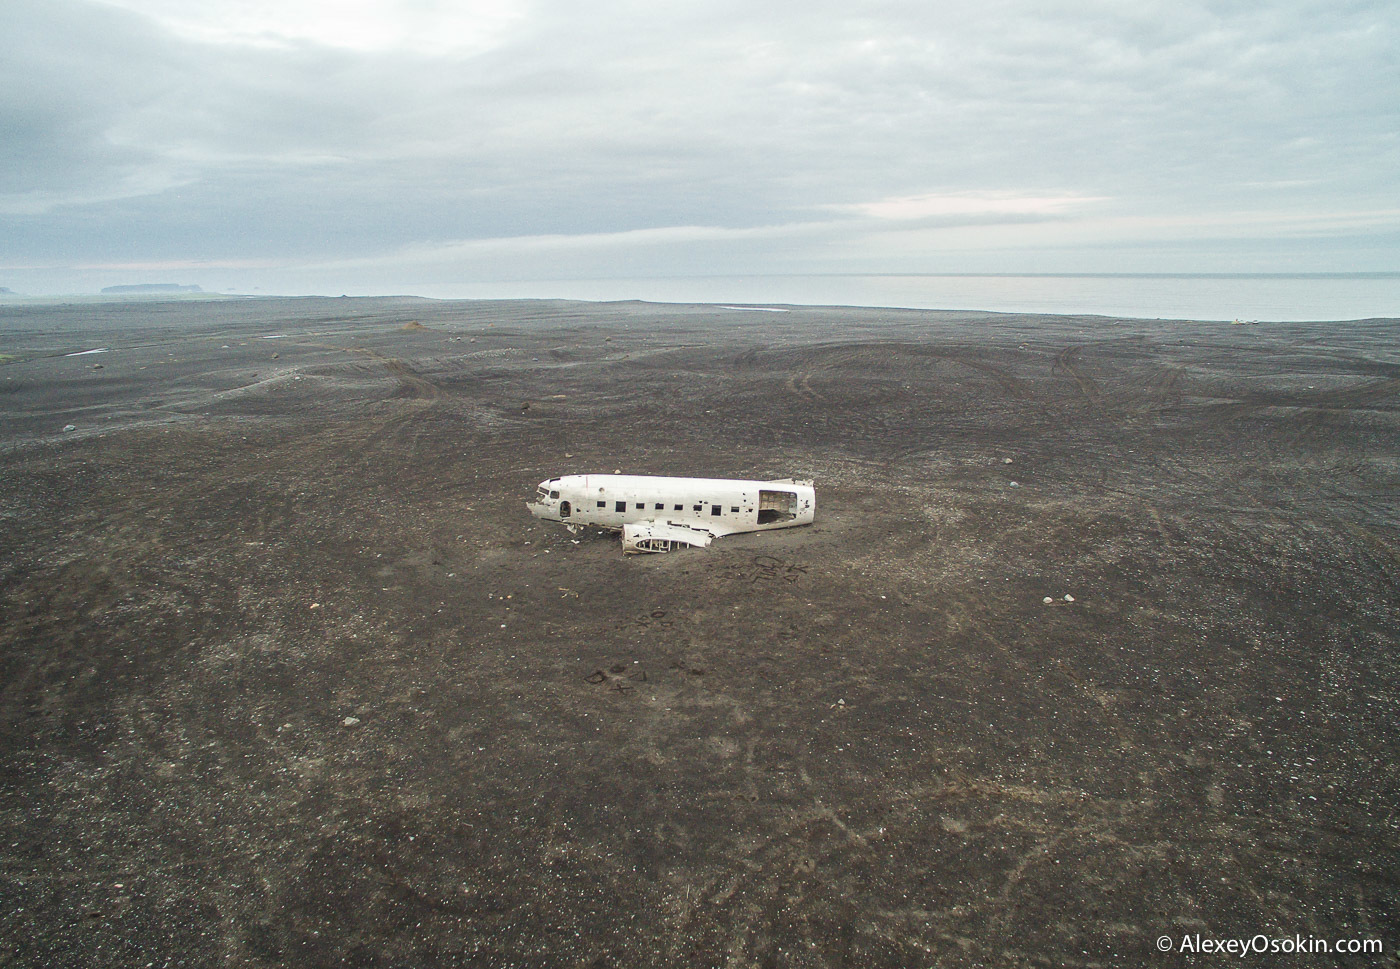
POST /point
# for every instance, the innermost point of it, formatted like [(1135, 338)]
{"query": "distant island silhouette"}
[(152, 288)]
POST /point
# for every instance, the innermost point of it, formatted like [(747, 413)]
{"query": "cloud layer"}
[(421, 142)]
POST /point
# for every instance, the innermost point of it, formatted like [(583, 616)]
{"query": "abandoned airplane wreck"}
[(657, 514)]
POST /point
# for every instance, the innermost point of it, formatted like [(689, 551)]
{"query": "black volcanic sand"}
[(864, 743)]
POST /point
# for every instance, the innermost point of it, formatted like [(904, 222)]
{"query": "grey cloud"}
[(66, 73), (610, 117)]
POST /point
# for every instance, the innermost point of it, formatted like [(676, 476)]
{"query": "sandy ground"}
[(864, 743)]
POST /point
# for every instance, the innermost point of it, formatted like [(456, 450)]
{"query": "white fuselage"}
[(670, 507)]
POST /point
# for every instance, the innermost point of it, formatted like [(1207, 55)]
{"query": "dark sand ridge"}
[(864, 743)]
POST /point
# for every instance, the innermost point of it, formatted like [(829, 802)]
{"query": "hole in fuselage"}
[(776, 506)]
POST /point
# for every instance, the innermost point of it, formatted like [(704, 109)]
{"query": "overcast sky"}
[(414, 145)]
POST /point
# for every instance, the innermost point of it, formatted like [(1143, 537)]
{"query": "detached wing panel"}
[(654, 536)]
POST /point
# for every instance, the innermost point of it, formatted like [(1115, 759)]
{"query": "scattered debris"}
[(1068, 597), (597, 676), (1015, 484), (1005, 460), (69, 427), (315, 605), (1047, 600), (350, 722)]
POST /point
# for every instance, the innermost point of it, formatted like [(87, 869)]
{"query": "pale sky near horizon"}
[(412, 146)]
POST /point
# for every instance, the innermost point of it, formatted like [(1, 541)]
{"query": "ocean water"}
[(1182, 297)]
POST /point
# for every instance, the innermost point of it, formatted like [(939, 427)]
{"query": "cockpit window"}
[(554, 494)]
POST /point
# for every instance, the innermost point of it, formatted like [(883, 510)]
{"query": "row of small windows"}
[(621, 506)]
